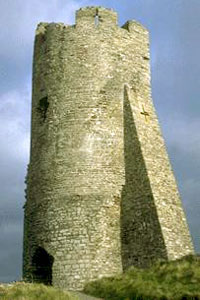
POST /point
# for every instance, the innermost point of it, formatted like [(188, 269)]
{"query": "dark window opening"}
[(96, 18), (43, 38), (43, 107), (42, 264)]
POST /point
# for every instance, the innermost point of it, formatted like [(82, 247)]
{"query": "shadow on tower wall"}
[(141, 235)]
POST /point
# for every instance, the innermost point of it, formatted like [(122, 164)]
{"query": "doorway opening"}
[(42, 263)]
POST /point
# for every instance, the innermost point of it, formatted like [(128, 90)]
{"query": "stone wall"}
[(101, 195)]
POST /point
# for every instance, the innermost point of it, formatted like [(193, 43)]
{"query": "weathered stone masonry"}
[(101, 195)]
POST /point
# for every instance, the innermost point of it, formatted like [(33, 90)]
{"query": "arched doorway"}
[(42, 264)]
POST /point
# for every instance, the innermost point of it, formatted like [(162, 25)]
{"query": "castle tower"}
[(101, 194)]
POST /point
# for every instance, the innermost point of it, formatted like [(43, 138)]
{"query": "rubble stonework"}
[(101, 194)]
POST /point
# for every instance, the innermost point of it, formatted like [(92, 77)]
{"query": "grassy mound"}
[(31, 291), (175, 280)]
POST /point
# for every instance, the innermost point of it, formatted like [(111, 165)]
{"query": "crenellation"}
[(41, 28), (87, 16), (133, 26)]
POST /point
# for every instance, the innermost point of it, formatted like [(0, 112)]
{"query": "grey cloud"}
[(14, 134), (190, 191), (182, 133), (19, 20), (14, 151), (183, 143), (10, 252)]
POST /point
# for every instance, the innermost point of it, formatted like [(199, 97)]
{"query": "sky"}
[(174, 27)]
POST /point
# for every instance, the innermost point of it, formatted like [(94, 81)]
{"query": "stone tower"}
[(101, 194)]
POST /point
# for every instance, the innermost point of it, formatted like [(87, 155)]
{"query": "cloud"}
[(14, 123), (190, 191), (183, 142), (11, 252), (14, 155), (183, 134), (18, 23)]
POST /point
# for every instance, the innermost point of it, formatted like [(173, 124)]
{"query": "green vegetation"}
[(31, 291), (175, 280)]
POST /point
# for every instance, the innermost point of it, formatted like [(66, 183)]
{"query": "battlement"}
[(134, 26), (97, 15)]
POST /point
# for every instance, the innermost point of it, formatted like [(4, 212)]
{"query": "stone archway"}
[(42, 263)]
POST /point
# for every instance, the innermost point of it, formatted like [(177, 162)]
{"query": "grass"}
[(175, 280), (32, 291)]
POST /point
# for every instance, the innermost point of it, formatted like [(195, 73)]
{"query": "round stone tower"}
[(76, 166), (96, 191)]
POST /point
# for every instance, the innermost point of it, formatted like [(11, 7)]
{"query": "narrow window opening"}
[(42, 264), (43, 107), (96, 18)]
